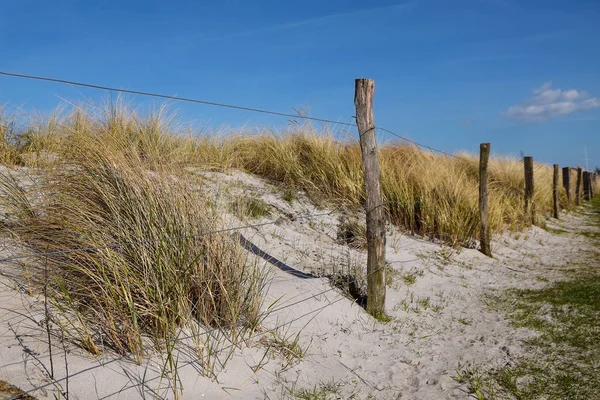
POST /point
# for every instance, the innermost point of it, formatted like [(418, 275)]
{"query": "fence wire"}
[(217, 104), (163, 239), (54, 382), (237, 324), (169, 97)]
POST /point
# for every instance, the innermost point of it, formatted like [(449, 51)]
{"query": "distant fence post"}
[(566, 177), (578, 186), (587, 195), (364, 90), (529, 190), (555, 190), (484, 155)]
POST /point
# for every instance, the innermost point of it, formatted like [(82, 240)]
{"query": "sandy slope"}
[(438, 322)]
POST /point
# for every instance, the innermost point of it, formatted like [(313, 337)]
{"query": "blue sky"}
[(521, 74)]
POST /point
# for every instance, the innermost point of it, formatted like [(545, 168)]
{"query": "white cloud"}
[(549, 103)]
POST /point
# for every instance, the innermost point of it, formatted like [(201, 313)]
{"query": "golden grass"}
[(103, 195), (105, 176), (429, 194)]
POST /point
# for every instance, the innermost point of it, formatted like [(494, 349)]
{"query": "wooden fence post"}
[(364, 90), (566, 177), (555, 190), (529, 190), (484, 155), (586, 186), (578, 186)]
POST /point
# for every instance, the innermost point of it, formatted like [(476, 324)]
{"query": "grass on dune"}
[(432, 195), (117, 295), (429, 194), (107, 175)]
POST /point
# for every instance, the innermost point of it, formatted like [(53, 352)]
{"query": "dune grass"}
[(106, 175), (109, 175), (432, 195), (119, 294)]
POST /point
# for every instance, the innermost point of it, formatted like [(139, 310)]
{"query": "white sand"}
[(438, 323)]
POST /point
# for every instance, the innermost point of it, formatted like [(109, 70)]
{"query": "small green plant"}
[(409, 279), (417, 304), (383, 318), (475, 380), (289, 195), (249, 206), (323, 391), (424, 302), (286, 347)]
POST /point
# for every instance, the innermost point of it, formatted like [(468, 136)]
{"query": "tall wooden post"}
[(529, 190), (566, 177), (586, 186), (484, 155), (578, 186), (555, 190), (363, 100)]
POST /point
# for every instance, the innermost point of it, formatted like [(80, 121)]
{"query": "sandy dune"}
[(435, 298)]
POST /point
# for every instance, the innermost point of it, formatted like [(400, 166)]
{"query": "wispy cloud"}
[(549, 103), (319, 19)]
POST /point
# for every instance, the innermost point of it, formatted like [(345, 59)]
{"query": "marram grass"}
[(118, 295), (104, 176), (428, 194)]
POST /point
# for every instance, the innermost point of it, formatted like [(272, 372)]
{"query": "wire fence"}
[(181, 338), (216, 104), (147, 241), (51, 254), (177, 339), (291, 302)]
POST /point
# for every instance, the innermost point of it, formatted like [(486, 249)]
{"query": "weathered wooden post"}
[(578, 186), (555, 190), (586, 186), (364, 90), (484, 155), (529, 190), (566, 177)]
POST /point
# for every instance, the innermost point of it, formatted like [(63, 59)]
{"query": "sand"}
[(436, 300)]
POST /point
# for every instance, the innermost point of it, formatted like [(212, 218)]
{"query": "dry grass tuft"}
[(104, 195)]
